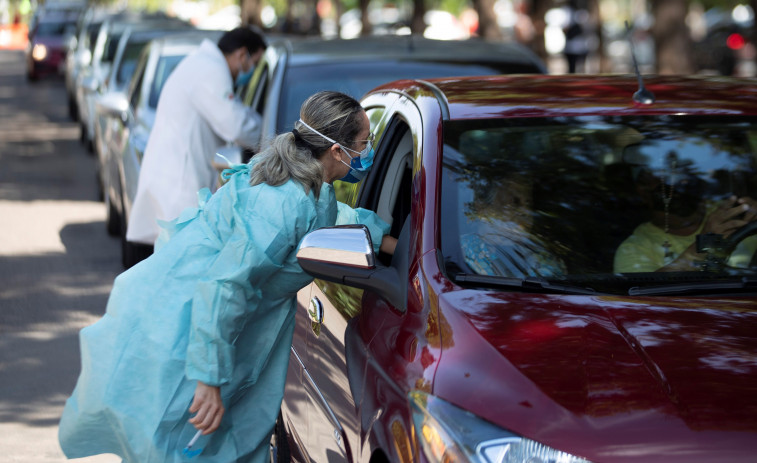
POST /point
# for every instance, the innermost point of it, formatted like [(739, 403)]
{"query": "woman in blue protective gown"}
[(197, 337)]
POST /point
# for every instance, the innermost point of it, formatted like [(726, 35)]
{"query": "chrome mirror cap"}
[(344, 245)]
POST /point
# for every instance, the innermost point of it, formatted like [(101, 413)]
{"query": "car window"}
[(166, 65), (347, 192), (52, 29), (110, 47), (356, 78), (390, 133), (135, 89), (128, 62), (560, 198), (256, 92)]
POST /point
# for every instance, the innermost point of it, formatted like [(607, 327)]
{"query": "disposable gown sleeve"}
[(229, 294), (347, 215)]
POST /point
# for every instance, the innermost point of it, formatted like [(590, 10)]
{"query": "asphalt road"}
[(57, 263)]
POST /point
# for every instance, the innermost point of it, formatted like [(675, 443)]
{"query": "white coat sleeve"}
[(346, 215), (230, 294), (229, 118)]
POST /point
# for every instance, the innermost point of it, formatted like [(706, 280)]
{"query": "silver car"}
[(133, 114), (130, 46), (90, 81)]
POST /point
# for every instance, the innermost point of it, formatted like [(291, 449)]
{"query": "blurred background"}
[(585, 36)]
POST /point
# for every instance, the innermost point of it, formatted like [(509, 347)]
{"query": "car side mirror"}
[(113, 104), (90, 84), (344, 255)]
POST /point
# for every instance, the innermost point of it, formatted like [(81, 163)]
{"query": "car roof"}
[(189, 36), (410, 47), (564, 95)]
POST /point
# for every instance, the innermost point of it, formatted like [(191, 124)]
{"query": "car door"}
[(333, 420), (258, 94)]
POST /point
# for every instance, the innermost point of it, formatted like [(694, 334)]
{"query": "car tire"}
[(280, 446), (73, 111), (132, 253), (112, 217)]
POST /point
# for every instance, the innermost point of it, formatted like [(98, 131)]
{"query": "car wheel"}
[(112, 217), (132, 253), (73, 111), (279, 444)]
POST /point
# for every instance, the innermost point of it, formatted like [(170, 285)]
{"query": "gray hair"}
[(295, 154)]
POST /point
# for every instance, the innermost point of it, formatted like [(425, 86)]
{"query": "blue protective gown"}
[(216, 303)]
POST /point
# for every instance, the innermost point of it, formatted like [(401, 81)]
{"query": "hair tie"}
[(301, 142)]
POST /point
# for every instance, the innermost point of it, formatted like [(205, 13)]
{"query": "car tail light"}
[(735, 41)]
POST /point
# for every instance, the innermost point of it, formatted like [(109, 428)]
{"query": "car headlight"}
[(450, 434), (39, 52)]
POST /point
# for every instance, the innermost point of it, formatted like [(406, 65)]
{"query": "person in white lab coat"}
[(197, 113)]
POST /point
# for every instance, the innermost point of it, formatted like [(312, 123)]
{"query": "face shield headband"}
[(359, 165)]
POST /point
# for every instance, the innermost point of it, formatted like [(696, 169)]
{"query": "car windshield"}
[(356, 78), (166, 65), (54, 28), (607, 203)]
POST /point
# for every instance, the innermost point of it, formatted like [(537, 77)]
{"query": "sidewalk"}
[(13, 36)]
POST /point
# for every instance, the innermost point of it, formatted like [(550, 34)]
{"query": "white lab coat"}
[(197, 113)]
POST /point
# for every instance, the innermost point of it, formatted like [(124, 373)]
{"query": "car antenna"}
[(642, 95)]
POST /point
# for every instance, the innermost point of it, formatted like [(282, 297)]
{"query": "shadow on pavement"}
[(41, 317)]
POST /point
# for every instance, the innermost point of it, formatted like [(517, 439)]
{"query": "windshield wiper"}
[(526, 284), (694, 287)]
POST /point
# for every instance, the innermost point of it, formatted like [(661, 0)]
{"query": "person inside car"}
[(195, 340), (680, 211), (498, 241)]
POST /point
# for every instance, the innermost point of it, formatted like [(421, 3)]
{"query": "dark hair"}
[(239, 37)]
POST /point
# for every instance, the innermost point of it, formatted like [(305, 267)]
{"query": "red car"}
[(46, 49), (574, 280)]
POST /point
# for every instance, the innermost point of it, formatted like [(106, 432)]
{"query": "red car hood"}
[(607, 378)]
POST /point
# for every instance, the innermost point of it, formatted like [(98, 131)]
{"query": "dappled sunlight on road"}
[(28, 238)]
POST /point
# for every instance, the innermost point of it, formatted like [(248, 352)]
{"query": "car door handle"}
[(316, 315)]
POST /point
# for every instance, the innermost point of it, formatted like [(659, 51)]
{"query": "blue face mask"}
[(359, 164), (244, 78)]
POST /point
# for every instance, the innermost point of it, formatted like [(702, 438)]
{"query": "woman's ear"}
[(335, 152)]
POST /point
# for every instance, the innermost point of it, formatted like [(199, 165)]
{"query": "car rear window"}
[(356, 78), (607, 201), (166, 65), (129, 62)]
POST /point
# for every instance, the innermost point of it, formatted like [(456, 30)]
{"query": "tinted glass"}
[(600, 201), (53, 29), (111, 46), (128, 62), (356, 78), (166, 65)]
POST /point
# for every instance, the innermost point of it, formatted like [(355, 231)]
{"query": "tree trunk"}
[(538, 9), (673, 49), (367, 26), (417, 23), (488, 28), (595, 13), (250, 11)]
